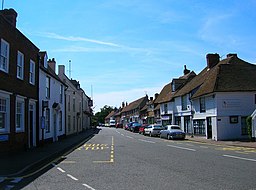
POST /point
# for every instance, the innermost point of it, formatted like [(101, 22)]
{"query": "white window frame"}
[(4, 55), (47, 87), (6, 97), (32, 72), (20, 65), (21, 125)]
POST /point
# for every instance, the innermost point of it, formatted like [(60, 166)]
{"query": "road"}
[(116, 159)]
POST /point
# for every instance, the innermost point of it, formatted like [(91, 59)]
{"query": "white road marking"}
[(88, 186), (241, 158), (72, 177), (130, 137), (61, 170), (204, 147), (181, 147), (146, 141), (17, 180)]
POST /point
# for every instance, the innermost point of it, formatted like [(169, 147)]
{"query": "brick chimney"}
[(212, 59), (10, 15), (186, 71), (61, 70), (52, 64)]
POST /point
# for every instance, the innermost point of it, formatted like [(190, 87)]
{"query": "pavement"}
[(17, 164)]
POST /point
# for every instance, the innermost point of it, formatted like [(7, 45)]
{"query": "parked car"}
[(172, 132), (119, 125), (128, 126), (135, 127), (153, 130), (142, 128)]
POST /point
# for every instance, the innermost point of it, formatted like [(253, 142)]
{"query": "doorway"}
[(209, 127)]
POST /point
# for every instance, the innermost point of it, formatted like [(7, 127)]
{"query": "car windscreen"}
[(158, 127), (175, 127)]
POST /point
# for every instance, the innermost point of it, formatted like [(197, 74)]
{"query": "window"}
[(184, 102), (233, 119), (202, 104), (74, 122), (32, 72), (47, 120), (60, 121), (61, 93), (69, 123), (20, 115), (199, 127), (68, 102), (165, 108), (3, 114), (4, 60), (20, 65), (48, 87), (74, 104)]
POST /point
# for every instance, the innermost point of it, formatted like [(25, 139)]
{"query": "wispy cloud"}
[(77, 39)]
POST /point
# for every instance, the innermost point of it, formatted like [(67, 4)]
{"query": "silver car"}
[(172, 132), (153, 130)]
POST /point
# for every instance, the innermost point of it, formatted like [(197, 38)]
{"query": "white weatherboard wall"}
[(54, 98), (240, 104)]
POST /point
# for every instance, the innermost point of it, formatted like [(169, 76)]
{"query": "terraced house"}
[(19, 70)]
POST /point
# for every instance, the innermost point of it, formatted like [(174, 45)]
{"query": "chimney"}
[(123, 104), (212, 59), (151, 98), (231, 55), (52, 64), (186, 71), (156, 95), (10, 15), (61, 70)]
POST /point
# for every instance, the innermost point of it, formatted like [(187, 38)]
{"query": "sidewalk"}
[(224, 143), (14, 164)]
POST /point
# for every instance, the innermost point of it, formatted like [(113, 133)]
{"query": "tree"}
[(99, 117)]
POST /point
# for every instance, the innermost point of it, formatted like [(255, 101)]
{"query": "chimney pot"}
[(231, 55)]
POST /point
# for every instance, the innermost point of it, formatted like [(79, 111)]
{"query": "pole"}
[(2, 4)]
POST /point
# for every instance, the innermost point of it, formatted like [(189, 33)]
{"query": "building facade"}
[(19, 71)]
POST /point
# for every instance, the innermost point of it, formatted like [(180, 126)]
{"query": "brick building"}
[(18, 86)]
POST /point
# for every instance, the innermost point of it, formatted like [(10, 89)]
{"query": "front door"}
[(209, 127), (32, 130)]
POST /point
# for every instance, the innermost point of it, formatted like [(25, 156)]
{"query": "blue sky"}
[(124, 49)]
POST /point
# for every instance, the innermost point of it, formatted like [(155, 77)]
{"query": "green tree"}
[(249, 126), (99, 117)]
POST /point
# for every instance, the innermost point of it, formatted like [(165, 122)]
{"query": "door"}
[(209, 127), (32, 127), (55, 137)]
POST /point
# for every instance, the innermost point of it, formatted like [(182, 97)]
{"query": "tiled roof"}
[(135, 104), (166, 89), (229, 75), (110, 114)]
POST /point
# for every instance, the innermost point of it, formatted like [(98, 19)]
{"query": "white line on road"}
[(88, 186), (72, 177), (181, 147), (146, 141), (61, 170), (130, 137), (241, 158)]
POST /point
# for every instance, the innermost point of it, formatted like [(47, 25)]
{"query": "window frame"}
[(184, 102), (47, 120), (20, 66), (202, 105), (32, 74), (47, 87), (20, 115), (4, 57)]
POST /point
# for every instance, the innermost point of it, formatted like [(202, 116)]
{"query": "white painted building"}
[(51, 101)]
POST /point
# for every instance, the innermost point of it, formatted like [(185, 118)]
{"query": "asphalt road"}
[(116, 159)]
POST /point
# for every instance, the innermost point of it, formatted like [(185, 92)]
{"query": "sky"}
[(121, 50)]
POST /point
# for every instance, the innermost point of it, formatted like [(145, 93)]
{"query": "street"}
[(116, 159)]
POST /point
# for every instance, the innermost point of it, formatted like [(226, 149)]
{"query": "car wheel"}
[(168, 137), (150, 134), (160, 136)]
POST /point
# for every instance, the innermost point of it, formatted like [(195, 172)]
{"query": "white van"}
[(112, 123)]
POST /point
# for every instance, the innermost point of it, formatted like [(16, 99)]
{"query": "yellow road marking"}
[(111, 154)]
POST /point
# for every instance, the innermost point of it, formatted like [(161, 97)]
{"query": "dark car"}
[(119, 125), (135, 127), (142, 128)]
